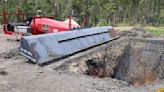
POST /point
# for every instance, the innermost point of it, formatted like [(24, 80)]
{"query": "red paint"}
[(5, 23), (53, 25)]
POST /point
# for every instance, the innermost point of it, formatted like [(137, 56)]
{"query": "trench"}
[(136, 61)]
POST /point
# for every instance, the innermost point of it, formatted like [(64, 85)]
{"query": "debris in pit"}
[(96, 68)]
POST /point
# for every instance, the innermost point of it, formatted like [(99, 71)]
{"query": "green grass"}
[(156, 31)]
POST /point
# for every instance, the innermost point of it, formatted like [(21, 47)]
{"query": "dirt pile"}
[(134, 58), (136, 32)]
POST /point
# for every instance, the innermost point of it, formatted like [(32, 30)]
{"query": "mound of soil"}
[(136, 32)]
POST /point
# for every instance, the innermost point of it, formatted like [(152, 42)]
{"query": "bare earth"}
[(17, 75)]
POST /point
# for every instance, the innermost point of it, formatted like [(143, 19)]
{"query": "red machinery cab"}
[(40, 25)]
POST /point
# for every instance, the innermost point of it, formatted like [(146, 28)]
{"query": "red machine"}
[(38, 25), (41, 25)]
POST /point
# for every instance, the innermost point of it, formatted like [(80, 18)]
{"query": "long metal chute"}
[(47, 47)]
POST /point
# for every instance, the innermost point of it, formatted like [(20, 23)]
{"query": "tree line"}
[(100, 12)]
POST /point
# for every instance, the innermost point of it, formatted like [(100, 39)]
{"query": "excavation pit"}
[(75, 74), (134, 60), (136, 57)]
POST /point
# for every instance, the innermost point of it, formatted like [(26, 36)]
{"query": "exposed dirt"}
[(135, 59)]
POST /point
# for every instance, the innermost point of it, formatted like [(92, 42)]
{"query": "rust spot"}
[(147, 78)]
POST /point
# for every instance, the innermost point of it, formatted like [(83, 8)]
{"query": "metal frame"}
[(5, 14)]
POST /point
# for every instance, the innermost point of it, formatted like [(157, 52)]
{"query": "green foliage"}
[(100, 12)]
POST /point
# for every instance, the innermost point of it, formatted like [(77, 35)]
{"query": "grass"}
[(156, 31)]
